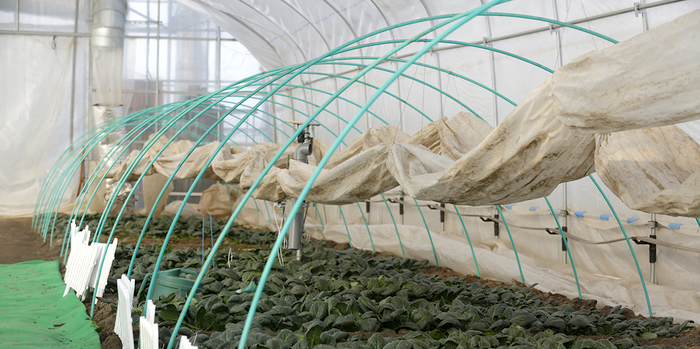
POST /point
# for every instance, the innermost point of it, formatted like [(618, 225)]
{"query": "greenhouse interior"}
[(350, 174)]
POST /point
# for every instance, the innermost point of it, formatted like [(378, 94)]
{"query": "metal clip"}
[(637, 10)]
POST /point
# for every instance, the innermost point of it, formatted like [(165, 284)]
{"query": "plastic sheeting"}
[(35, 75)]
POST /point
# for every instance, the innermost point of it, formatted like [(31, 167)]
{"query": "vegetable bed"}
[(350, 299)]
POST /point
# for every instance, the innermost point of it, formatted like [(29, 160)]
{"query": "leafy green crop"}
[(350, 299)]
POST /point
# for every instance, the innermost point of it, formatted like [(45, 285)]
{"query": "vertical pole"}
[(218, 74), (90, 94), (273, 111), (496, 227), (157, 61), (652, 250), (72, 86), (565, 188), (645, 20), (492, 63), (443, 218)]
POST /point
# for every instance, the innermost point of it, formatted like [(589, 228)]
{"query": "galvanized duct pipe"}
[(107, 54)]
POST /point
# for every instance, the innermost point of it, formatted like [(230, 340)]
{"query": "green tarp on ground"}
[(34, 313)]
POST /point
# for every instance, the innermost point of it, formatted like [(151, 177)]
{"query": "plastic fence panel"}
[(148, 328), (122, 325), (185, 344), (106, 267), (80, 264)]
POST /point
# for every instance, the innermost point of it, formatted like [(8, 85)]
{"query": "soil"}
[(105, 317), (22, 243), (195, 242)]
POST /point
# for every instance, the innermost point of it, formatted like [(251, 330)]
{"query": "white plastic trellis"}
[(123, 324), (148, 333), (81, 262), (185, 344), (82, 267), (106, 267)]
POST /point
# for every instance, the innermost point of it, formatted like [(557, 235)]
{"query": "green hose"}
[(512, 243)]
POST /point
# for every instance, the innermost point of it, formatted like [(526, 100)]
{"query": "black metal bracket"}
[(367, 206), (652, 247), (495, 223), (442, 213), (556, 232)]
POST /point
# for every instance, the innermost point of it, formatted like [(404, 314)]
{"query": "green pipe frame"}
[(367, 225), (98, 169), (109, 155), (460, 20), (346, 227), (468, 240), (512, 243), (430, 237), (629, 244), (42, 215)]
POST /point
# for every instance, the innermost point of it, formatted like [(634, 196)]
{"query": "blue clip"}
[(510, 207), (675, 225), (533, 208), (632, 220), (579, 214), (604, 217)]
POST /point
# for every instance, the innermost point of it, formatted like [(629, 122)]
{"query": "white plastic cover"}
[(33, 130)]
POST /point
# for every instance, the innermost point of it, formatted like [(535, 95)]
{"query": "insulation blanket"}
[(525, 157), (654, 170), (651, 79), (639, 83)]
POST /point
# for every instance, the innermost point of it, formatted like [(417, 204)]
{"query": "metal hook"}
[(53, 42)]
